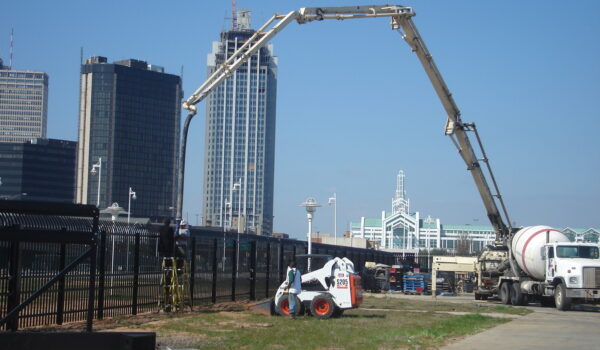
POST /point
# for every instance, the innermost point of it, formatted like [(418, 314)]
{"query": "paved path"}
[(545, 328)]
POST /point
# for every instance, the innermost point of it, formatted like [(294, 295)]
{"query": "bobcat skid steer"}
[(329, 286)]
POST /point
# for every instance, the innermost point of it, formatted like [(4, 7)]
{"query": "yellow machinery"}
[(174, 284)]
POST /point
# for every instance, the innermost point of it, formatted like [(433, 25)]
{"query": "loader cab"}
[(311, 262)]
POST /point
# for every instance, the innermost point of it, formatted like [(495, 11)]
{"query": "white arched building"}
[(403, 230)]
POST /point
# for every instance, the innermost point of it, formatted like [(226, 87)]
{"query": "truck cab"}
[(574, 270)]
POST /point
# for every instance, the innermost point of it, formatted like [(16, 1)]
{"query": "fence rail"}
[(128, 267)]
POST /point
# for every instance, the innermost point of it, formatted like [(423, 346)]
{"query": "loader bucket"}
[(263, 307)]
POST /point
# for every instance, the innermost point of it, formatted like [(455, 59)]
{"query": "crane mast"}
[(401, 20)]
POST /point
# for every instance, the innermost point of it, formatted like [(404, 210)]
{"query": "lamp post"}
[(114, 211), (311, 206), (227, 206), (130, 197), (333, 200), (93, 172), (237, 187)]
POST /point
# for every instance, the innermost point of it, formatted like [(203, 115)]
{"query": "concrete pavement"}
[(545, 328)]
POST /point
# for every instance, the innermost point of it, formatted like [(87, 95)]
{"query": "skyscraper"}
[(129, 134), (39, 169), (240, 138), (23, 104)]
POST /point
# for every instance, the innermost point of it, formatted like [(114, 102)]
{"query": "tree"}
[(463, 245)]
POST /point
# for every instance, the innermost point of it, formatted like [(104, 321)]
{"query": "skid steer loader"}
[(329, 286)]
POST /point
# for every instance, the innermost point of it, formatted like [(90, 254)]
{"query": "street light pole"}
[(114, 211), (93, 171), (237, 186), (311, 206), (223, 258), (333, 200), (130, 197)]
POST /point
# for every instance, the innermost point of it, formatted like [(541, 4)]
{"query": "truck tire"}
[(504, 293), (322, 307), (517, 297), (563, 303), (283, 306)]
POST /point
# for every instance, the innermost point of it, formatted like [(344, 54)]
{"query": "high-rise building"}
[(129, 135), (23, 104), (239, 147), (39, 169)]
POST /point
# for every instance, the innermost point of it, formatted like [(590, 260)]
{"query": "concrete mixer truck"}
[(547, 267)]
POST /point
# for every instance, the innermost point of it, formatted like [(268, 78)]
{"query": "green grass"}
[(436, 305), (393, 328)]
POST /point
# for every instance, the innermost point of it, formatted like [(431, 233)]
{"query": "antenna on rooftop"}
[(233, 15), (12, 34)]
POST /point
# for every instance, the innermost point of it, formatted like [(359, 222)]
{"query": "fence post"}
[(92, 285), (101, 273), (281, 267), (253, 252), (234, 268), (136, 272), (60, 303), (214, 270), (192, 269), (268, 274), (14, 284)]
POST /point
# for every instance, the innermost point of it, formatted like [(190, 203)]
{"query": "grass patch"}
[(395, 326), (431, 305)]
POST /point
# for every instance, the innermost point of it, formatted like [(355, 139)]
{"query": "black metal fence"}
[(224, 266)]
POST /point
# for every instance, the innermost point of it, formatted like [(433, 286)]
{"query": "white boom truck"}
[(500, 261), (551, 269)]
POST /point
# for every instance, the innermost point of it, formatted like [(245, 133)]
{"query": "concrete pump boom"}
[(401, 20)]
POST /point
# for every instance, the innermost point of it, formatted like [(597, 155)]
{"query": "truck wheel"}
[(322, 307), (517, 297), (563, 302), (283, 306), (505, 292), (477, 296)]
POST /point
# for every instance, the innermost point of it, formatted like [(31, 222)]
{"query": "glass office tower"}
[(240, 139), (23, 104), (129, 124), (39, 169)]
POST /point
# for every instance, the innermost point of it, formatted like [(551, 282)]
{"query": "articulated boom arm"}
[(457, 130), (401, 21), (265, 33)]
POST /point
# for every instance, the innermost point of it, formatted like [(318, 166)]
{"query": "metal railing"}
[(128, 269)]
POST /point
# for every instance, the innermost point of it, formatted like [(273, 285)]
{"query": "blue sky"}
[(354, 106)]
